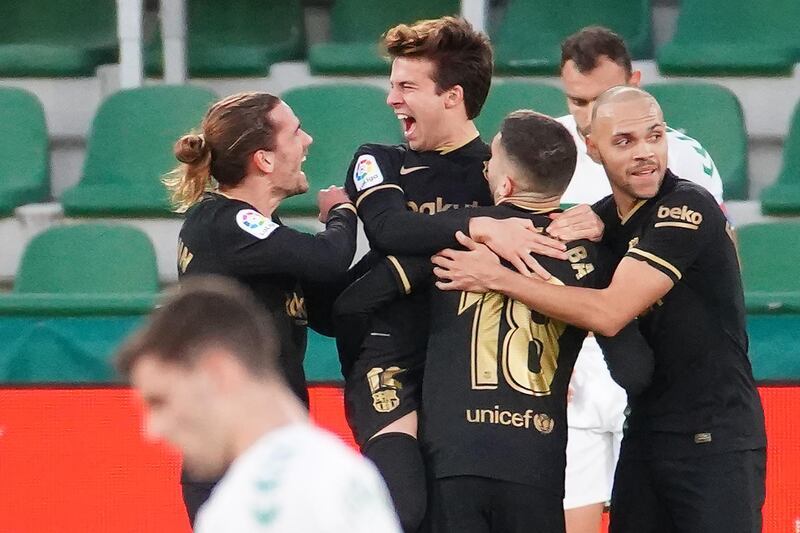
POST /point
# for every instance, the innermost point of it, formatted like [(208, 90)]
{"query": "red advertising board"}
[(74, 460)]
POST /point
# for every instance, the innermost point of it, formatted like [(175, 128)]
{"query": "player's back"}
[(496, 376)]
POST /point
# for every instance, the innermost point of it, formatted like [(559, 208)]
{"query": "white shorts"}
[(595, 416)]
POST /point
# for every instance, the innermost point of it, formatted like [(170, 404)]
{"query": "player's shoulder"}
[(686, 203), (233, 218), (392, 151)]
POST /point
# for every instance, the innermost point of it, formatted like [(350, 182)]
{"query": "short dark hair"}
[(206, 311), (588, 45), (461, 55), (542, 149)]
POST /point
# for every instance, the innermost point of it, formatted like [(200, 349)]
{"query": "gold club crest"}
[(384, 387), (543, 423)]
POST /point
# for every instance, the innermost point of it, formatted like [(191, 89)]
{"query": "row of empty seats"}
[(80, 289), (130, 143), (244, 37)]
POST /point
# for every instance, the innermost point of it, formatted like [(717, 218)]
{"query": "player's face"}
[(629, 139), (291, 147), (180, 411), (583, 88), (496, 170), (417, 103)]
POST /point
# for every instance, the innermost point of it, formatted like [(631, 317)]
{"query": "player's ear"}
[(591, 149), (264, 161), (508, 187), (453, 96), (636, 78)]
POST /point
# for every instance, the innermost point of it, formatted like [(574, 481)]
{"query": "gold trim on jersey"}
[(348, 206), (528, 205), (402, 273), (624, 219), (447, 148), (685, 225), (666, 264), (377, 188)]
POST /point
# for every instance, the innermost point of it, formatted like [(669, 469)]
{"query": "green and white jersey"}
[(299, 479), (686, 159)]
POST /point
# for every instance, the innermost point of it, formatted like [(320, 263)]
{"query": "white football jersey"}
[(299, 479), (597, 400), (686, 158)]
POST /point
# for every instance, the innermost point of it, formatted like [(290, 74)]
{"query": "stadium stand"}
[(770, 253), (237, 37), (56, 38), (528, 39), (24, 174), (356, 27), (719, 128), (508, 96), (79, 291), (783, 197), (339, 117), (130, 148), (744, 38)]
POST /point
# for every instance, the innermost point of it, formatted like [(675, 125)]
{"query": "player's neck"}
[(265, 409), (461, 134), (531, 200), (264, 199)]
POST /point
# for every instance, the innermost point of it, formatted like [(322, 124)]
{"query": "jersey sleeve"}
[(682, 225), (251, 244), (689, 160), (630, 359), (373, 183)]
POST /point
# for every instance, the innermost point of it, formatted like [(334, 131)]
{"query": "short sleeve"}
[(373, 172), (680, 227)]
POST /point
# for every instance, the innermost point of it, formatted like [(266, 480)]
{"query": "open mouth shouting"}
[(409, 124)]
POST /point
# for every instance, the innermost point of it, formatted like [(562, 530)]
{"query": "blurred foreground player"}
[(206, 365), (235, 173), (693, 458)]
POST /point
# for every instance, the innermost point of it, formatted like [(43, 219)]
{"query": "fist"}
[(327, 198)]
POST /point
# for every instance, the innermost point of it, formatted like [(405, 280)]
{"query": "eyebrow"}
[(651, 128)]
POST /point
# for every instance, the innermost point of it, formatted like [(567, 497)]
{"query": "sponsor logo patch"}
[(683, 217), (255, 223), (366, 173)]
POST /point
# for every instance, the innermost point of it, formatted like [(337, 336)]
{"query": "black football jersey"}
[(391, 185), (231, 238), (496, 375), (703, 398)]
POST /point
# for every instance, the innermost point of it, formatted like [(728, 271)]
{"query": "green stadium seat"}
[(356, 29), (322, 359), (48, 349), (340, 118), (739, 38), (57, 38), (770, 253), (237, 37), (774, 347), (783, 197), (719, 127), (528, 38), (79, 291), (508, 96), (130, 148), (24, 174)]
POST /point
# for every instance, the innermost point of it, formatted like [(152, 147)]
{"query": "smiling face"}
[(291, 147), (629, 139), (418, 104)]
